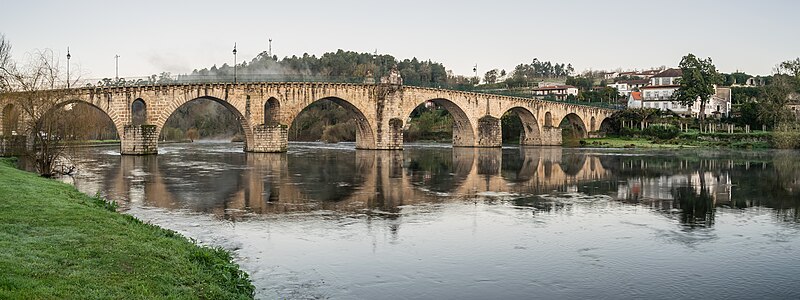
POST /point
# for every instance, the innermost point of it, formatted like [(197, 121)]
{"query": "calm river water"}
[(434, 222)]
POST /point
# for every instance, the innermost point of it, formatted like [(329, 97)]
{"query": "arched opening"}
[(10, 120), (332, 120), (438, 119), (573, 129), (548, 119), (208, 119), (138, 112), (607, 126), (520, 126), (94, 125), (272, 110)]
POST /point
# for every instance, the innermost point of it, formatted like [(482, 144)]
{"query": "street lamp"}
[(475, 69), (116, 66), (234, 62), (68, 57)]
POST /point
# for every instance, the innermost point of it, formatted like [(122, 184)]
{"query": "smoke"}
[(170, 62)]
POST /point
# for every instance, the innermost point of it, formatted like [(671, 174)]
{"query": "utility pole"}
[(116, 68), (270, 47)]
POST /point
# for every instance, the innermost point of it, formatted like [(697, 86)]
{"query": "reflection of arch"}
[(272, 111), (167, 113), (530, 134), (575, 124), (548, 119), (365, 138), (138, 112), (9, 120), (463, 133), (573, 163)]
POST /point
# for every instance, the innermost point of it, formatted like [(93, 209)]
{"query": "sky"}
[(178, 36)]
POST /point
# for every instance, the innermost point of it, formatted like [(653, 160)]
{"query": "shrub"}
[(664, 132)]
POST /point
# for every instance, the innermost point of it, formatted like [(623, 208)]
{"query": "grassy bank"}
[(58, 243), (692, 139)]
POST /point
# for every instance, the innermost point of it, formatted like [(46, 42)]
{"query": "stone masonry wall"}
[(269, 138), (139, 140), (551, 136)]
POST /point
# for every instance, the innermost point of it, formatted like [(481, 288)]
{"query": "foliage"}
[(772, 102), (524, 74), (582, 83), (697, 82), (786, 136), (661, 131), (791, 67), (72, 246), (192, 134)]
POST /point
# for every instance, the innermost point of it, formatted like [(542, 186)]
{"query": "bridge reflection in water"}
[(232, 185), (376, 181)]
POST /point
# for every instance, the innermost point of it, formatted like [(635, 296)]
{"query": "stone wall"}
[(139, 140), (551, 136), (269, 138)]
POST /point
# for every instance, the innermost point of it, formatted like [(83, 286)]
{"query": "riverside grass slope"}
[(58, 243)]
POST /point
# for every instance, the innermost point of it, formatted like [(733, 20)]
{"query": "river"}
[(436, 222)]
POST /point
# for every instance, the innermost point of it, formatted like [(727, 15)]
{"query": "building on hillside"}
[(658, 94), (610, 75), (647, 74), (794, 104), (635, 100), (560, 92), (634, 84), (621, 87)]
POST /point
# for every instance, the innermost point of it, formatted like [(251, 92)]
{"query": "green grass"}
[(618, 142), (58, 243)]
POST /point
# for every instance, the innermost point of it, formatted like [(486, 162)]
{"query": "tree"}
[(792, 67), (772, 109), (491, 76), (697, 82), (36, 91), (192, 134)]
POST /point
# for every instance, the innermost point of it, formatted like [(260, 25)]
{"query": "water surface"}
[(328, 221)]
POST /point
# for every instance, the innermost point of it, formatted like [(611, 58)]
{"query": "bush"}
[(664, 132), (786, 137)]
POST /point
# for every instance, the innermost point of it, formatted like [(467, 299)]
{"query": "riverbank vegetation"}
[(59, 243)]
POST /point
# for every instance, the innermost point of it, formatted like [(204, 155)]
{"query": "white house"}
[(663, 85), (622, 88), (561, 92), (635, 100)]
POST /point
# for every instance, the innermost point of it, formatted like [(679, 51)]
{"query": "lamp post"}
[(68, 57), (475, 69), (116, 67), (234, 62)]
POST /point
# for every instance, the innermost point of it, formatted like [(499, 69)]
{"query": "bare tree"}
[(36, 91)]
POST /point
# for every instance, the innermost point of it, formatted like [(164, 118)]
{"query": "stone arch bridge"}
[(265, 111)]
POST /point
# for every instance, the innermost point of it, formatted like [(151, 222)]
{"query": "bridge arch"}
[(138, 112), (165, 114), (574, 126), (548, 119), (365, 135), (530, 133), (463, 129), (9, 119), (272, 112)]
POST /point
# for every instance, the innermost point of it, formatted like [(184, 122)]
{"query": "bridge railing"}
[(245, 78)]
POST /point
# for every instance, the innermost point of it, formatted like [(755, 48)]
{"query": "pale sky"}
[(179, 36)]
